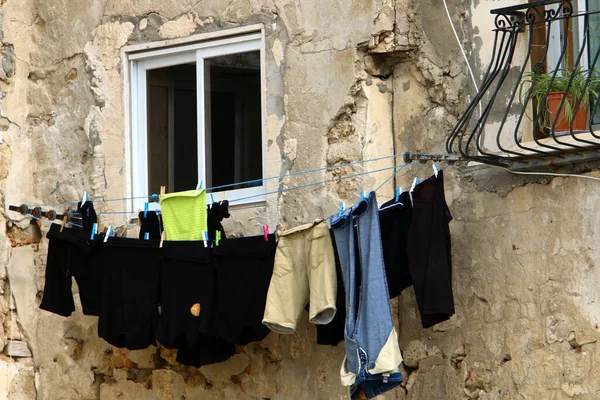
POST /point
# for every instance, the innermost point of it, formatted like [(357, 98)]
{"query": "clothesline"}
[(212, 189), (396, 169)]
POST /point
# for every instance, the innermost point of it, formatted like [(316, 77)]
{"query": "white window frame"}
[(164, 54)]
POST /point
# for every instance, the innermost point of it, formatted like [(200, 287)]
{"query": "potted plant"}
[(539, 84)]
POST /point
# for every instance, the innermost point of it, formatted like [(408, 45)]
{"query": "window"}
[(197, 116)]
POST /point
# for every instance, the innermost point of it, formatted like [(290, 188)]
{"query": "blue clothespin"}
[(342, 207), (145, 209), (94, 231), (205, 236), (212, 198), (155, 198), (84, 198), (435, 169), (147, 236), (363, 195), (398, 192)]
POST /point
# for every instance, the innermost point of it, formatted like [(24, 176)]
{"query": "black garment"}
[(428, 251), (333, 333), (244, 267), (72, 254), (207, 349), (130, 291), (394, 221), (216, 212), (187, 278), (151, 224), (88, 217)]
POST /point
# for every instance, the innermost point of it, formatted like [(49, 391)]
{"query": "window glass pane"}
[(594, 45), (233, 120), (172, 128)]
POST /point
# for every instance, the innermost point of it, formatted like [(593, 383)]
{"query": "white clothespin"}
[(435, 169), (109, 232), (412, 188)]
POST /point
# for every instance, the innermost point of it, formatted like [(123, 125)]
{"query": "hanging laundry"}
[(304, 269), (216, 212), (428, 251), (244, 268), (184, 214), (373, 356), (130, 289), (71, 253), (394, 220), (151, 224), (333, 333), (187, 293), (207, 349)]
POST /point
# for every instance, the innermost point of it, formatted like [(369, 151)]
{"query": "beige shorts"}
[(304, 272)]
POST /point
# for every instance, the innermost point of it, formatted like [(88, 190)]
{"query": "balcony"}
[(538, 102)]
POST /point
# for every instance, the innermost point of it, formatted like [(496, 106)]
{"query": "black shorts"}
[(130, 291), (72, 254), (244, 267), (187, 287)]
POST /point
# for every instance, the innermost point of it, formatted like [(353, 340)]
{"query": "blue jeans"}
[(369, 331)]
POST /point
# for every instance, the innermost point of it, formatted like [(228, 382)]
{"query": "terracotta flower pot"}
[(563, 124)]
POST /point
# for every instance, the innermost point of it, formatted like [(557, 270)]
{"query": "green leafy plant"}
[(539, 85)]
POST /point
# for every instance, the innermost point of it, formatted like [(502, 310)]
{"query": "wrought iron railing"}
[(542, 80)]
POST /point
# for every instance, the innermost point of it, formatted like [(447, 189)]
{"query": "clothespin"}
[(217, 237), (94, 231), (64, 221), (109, 232), (155, 198), (163, 236), (435, 169), (363, 195), (222, 197), (84, 198), (265, 229), (205, 236), (414, 184), (147, 236), (146, 210), (198, 186), (398, 193), (212, 198), (412, 188), (342, 207), (163, 190)]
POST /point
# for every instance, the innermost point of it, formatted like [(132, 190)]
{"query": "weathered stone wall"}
[(346, 81)]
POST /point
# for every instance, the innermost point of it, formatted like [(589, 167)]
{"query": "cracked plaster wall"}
[(346, 81)]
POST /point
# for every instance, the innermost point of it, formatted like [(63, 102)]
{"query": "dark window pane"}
[(233, 120), (172, 128)]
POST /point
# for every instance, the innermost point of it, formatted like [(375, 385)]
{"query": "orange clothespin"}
[(64, 221)]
